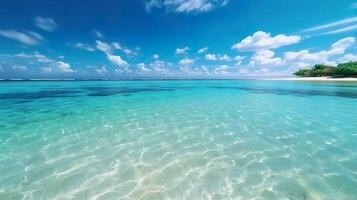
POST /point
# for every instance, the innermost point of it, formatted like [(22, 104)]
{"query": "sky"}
[(173, 38)]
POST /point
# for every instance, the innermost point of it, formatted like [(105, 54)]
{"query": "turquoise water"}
[(178, 140)]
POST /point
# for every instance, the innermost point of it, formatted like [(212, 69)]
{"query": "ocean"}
[(184, 139)]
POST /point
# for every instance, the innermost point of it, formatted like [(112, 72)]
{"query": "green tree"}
[(346, 69), (302, 72)]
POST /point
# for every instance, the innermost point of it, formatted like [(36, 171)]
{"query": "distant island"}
[(343, 70)]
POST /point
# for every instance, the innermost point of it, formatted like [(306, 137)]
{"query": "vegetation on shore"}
[(348, 69)]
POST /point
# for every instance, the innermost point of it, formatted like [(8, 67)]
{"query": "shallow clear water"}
[(178, 140)]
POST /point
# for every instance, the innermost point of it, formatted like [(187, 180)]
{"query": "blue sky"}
[(173, 38)]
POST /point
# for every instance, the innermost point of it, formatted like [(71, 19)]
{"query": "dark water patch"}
[(99, 88), (108, 88), (22, 101), (175, 87), (126, 91), (40, 94), (294, 92)]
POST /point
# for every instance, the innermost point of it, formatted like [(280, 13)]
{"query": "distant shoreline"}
[(330, 79)]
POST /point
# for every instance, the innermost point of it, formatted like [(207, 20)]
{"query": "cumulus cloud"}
[(58, 67), (263, 41), (160, 66), (348, 58), (186, 61), (101, 70), (28, 37), (211, 57), (225, 57), (243, 71), (182, 50), (142, 67), (202, 50), (265, 58), (222, 69), (305, 57), (116, 60), (264, 61), (64, 67), (185, 6), (196, 71), (46, 24), (340, 46), (239, 60), (155, 56), (214, 57)]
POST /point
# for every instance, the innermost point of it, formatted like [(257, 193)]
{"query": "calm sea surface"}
[(178, 140)]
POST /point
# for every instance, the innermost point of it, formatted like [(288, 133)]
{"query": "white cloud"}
[(142, 67), (305, 57), (332, 25), (129, 52), (182, 51), (263, 61), (204, 69), (214, 57), (186, 61), (117, 60), (185, 6), (263, 41), (84, 46), (348, 58), (160, 66), (102, 46), (29, 37), (202, 50), (340, 30), (197, 71), (116, 45), (97, 33), (47, 24), (265, 58), (341, 26), (37, 56), (340, 46), (63, 67), (58, 67), (222, 69), (239, 60), (46, 70), (101, 70), (243, 71), (225, 57), (155, 56), (19, 68), (211, 57)]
